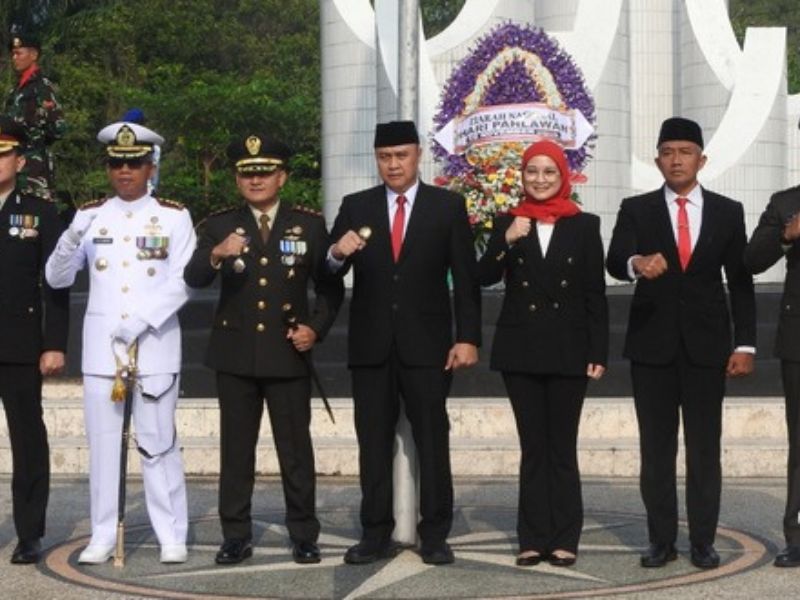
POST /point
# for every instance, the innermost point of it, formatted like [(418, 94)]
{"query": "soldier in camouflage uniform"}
[(33, 104)]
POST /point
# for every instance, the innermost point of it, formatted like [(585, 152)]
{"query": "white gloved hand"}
[(129, 330), (81, 223)]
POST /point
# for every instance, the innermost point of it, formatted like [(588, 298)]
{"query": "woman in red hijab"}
[(551, 338)]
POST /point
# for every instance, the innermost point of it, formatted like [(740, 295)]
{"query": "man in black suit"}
[(674, 242), (775, 237), (402, 238), (33, 338), (267, 252)]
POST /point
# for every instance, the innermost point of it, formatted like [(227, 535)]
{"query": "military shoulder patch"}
[(170, 203), (306, 210), (93, 203)]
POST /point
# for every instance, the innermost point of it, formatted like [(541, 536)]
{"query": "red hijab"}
[(560, 205)]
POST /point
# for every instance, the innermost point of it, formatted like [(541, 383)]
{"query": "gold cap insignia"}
[(126, 136), (253, 145), (16, 43)]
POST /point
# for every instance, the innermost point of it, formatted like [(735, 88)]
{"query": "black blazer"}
[(408, 303), (33, 316), (764, 250), (248, 336), (685, 307), (554, 317)]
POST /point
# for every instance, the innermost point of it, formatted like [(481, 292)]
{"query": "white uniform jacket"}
[(136, 252)]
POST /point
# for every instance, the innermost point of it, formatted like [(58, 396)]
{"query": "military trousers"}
[(153, 423), (21, 391)]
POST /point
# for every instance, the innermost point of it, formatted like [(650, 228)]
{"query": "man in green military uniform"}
[(266, 253), (33, 104)]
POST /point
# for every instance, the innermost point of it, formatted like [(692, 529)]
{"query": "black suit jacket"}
[(685, 307), (764, 250), (408, 303), (554, 317), (33, 316), (248, 336)]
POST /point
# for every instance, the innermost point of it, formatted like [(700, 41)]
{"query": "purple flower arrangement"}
[(488, 174)]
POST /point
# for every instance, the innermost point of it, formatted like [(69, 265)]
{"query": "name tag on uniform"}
[(102, 240)]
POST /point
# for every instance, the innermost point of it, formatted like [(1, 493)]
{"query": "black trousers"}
[(791, 389), (241, 404), (659, 392), (376, 395), (547, 409), (21, 391)]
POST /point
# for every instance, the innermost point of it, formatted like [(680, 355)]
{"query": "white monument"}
[(643, 60)]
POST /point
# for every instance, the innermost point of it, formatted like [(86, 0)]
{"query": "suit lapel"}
[(419, 215), (707, 228), (663, 227)]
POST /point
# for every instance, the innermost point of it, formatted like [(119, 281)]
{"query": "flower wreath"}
[(512, 64)]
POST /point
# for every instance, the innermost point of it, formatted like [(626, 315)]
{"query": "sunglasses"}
[(131, 163)]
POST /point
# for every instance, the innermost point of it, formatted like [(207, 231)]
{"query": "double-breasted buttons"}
[(525, 284), (125, 289), (556, 305), (520, 260), (261, 305), (570, 260), (532, 307), (224, 323), (564, 283), (125, 315), (263, 261), (260, 327), (30, 310), (262, 282)]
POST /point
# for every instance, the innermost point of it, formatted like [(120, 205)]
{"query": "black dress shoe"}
[(27, 552), (562, 560), (436, 553), (305, 553), (366, 552), (234, 550), (658, 555), (788, 557), (704, 556), (528, 560)]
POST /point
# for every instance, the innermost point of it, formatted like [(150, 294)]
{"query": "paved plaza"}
[(483, 539)]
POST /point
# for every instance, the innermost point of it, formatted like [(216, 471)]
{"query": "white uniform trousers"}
[(154, 426)]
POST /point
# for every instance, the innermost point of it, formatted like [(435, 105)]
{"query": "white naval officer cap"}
[(125, 139)]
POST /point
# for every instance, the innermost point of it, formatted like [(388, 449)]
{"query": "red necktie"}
[(684, 236), (398, 224)]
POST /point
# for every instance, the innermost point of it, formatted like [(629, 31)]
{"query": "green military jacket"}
[(34, 105)]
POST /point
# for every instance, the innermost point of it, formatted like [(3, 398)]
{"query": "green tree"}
[(203, 71)]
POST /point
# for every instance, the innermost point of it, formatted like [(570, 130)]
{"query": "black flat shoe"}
[(437, 553), (788, 557), (704, 556), (658, 555), (366, 552), (562, 560), (524, 559), (233, 551), (27, 552), (305, 553)]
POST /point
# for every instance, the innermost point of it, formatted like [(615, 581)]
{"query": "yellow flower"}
[(500, 199), (491, 177)]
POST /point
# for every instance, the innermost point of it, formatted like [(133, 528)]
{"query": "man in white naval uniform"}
[(135, 247)]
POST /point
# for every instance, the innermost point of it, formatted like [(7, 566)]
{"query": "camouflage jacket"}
[(35, 106)]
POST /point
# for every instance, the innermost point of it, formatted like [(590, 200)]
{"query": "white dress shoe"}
[(175, 553), (95, 554)]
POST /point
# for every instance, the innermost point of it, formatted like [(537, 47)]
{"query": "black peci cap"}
[(395, 133), (678, 128)]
